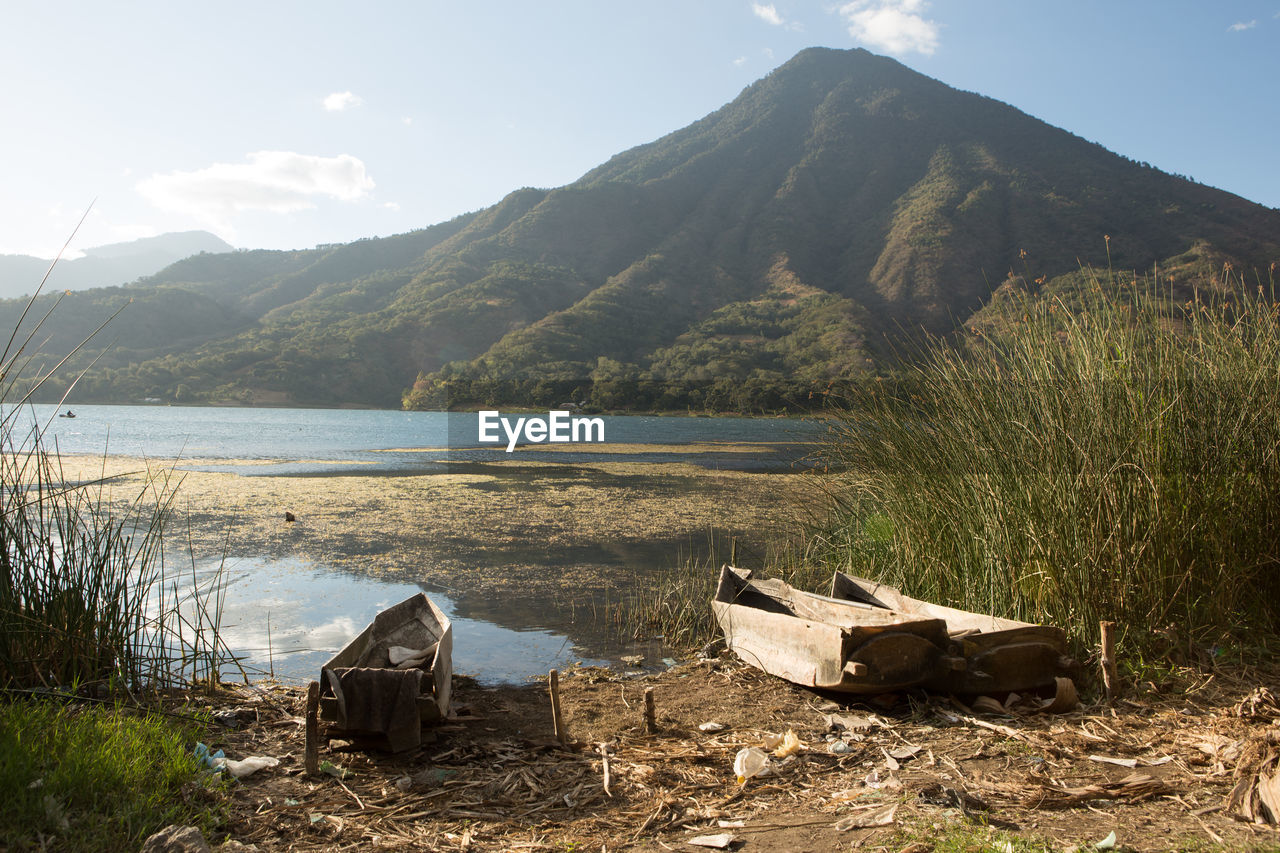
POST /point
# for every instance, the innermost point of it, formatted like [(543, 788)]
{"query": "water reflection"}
[(286, 617)]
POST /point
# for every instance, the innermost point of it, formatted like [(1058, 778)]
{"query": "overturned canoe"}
[(393, 677), (825, 642), (999, 655)]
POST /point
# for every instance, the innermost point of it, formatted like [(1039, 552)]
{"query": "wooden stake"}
[(733, 551), (604, 767), (557, 721), (650, 720), (1110, 677), (311, 761)]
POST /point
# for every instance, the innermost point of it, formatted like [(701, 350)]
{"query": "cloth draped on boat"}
[(379, 700)]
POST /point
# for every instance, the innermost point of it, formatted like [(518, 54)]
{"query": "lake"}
[(524, 550)]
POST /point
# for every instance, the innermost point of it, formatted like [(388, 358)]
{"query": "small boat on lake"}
[(67, 414), (395, 676), (1000, 655), (825, 642)]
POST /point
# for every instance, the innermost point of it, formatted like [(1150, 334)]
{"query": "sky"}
[(287, 124)]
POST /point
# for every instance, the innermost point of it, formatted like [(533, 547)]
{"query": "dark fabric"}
[(384, 701)]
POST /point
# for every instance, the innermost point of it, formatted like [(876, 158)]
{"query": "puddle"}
[(285, 618)]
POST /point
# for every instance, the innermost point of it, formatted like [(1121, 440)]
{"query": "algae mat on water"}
[(519, 528)]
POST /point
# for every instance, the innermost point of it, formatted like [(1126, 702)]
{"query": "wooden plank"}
[(311, 760)]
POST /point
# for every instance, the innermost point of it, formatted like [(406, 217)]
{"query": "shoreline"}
[(521, 544)]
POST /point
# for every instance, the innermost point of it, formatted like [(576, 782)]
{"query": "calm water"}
[(289, 615), (319, 441), (279, 617)]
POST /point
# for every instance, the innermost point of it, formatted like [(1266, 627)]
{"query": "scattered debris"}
[(1259, 706), (1256, 795), (749, 762), (876, 814), (784, 745), (335, 770), (502, 782), (248, 766)]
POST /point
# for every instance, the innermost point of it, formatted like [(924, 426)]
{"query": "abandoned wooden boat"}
[(828, 643), (393, 677), (1000, 655)]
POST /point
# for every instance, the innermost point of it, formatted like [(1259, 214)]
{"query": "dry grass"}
[(497, 780)]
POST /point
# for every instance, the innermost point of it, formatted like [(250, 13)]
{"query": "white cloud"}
[(740, 61), (894, 26), (407, 121), (275, 181), (391, 205), (1240, 26), (339, 101), (767, 13)]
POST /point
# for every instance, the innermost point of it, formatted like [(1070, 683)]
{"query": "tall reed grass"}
[(83, 593), (675, 602), (1108, 451)]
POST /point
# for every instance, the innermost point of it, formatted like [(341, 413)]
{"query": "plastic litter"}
[(749, 762), (248, 766), (218, 761), (711, 727), (337, 771), (789, 745), (213, 760)]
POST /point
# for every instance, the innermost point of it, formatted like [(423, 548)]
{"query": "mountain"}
[(748, 260), (116, 263)]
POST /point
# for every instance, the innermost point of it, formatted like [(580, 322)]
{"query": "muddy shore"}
[(1156, 769), (915, 773)]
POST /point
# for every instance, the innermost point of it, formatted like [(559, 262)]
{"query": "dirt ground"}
[(913, 772)]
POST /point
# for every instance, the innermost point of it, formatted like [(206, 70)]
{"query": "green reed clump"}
[(79, 579), (1111, 452), (83, 596)]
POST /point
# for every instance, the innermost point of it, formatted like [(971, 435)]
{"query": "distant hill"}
[(746, 261), (104, 266)]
